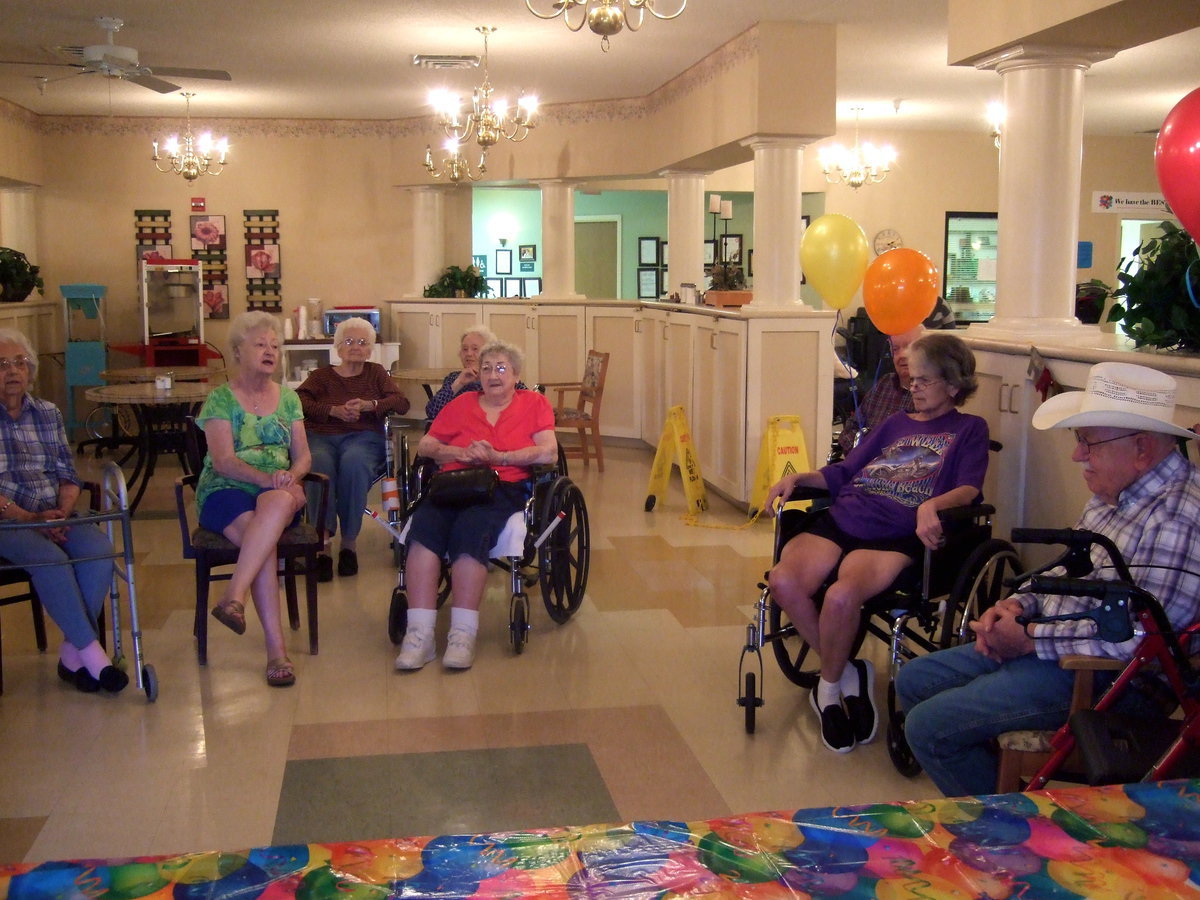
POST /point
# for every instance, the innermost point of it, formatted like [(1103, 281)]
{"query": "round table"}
[(149, 373), (160, 415)]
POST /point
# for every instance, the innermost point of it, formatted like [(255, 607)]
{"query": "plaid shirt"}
[(35, 457), (885, 398), (1156, 526)]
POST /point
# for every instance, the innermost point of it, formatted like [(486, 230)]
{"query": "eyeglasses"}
[(1084, 442), (498, 368), (17, 362), (354, 342), (919, 384)]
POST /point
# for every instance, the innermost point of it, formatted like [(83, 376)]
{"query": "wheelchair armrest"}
[(954, 514), (803, 492)]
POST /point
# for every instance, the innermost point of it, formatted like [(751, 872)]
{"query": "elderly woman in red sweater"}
[(344, 409)]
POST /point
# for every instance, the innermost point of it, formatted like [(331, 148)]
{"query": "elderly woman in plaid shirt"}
[(1146, 499), (38, 483)]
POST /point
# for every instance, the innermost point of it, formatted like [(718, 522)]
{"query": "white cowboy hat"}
[(1118, 395)]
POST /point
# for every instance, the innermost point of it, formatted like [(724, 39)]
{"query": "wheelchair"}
[(926, 608), (547, 544)]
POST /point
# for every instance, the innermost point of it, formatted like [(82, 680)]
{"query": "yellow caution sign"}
[(782, 452), (675, 445)]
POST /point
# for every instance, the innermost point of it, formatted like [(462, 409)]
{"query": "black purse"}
[(463, 487)]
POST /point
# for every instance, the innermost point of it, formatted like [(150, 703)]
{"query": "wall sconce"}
[(995, 115), (504, 228)]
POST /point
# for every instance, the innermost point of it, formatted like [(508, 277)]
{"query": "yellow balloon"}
[(833, 256)]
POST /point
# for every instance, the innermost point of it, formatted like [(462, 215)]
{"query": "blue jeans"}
[(72, 595), (957, 701), (352, 461)]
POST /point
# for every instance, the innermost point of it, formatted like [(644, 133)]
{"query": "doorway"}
[(598, 257)]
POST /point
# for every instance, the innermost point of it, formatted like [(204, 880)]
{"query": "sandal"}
[(280, 672), (231, 614)]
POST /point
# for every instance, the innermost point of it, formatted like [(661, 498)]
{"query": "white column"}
[(1040, 162), (558, 239), (778, 221), (427, 256), (685, 230)]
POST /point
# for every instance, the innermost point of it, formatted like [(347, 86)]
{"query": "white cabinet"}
[(651, 349), (717, 412), (617, 331), (430, 335)]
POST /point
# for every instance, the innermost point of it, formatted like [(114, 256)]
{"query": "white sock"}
[(464, 619), (828, 693), (422, 619), (849, 680)]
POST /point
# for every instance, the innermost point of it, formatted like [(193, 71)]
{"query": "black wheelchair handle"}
[(1068, 536), (1078, 587)]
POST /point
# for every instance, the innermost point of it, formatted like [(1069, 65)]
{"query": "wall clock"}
[(888, 239)]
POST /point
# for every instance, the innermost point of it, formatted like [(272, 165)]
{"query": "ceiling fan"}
[(114, 61)]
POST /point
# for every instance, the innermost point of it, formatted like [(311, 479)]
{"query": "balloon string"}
[(1187, 282)]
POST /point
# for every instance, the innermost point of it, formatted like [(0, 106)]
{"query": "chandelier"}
[(455, 167), (194, 156), (862, 164), (605, 17), (487, 122)]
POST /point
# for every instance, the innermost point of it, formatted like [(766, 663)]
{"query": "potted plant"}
[(728, 286), (1158, 303), (18, 276), (459, 282)]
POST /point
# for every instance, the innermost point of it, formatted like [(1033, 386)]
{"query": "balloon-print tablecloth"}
[(1139, 840)]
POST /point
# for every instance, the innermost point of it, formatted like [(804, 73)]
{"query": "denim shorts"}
[(223, 506), (470, 530)]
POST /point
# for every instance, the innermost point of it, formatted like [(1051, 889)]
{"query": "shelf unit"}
[(970, 265), (313, 354)]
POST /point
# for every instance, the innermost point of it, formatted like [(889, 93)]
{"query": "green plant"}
[(1153, 304), (18, 276), (728, 277), (469, 281)]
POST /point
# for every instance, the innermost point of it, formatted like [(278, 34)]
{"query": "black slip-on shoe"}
[(864, 717), (347, 563), (836, 733), (324, 568)]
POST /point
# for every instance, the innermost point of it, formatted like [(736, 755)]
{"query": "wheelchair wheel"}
[(398, 615), (978, 586), (564, 556), (795, 657), (897, 746), (518, 622), (751, 701)]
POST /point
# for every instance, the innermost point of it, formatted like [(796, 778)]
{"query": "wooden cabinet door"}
[(615, 331)]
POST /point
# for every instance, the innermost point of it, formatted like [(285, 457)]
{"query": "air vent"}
[(442, 61), (72, 52)]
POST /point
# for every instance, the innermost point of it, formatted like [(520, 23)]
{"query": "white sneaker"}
[(416, 649), (460, 649)]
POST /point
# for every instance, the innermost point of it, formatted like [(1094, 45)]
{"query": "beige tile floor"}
[(645, 674)]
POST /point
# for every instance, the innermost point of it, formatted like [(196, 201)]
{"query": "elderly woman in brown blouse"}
[(344, 409)]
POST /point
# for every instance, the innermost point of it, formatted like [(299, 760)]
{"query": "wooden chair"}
[(1023, 753), (584, 416), (210, 550)]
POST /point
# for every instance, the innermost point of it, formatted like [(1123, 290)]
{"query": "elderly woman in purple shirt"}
[(886, 498)]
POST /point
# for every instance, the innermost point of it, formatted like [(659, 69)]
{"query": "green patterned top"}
[(262, 441)]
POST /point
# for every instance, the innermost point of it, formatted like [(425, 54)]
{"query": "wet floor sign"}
[(782, 452), (675, 445)]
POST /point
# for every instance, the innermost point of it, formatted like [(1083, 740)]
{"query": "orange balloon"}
[(900, 290)]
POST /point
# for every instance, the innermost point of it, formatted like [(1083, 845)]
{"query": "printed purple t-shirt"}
[(901, 464)]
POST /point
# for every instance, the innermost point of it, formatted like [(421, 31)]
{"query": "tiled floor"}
[(640, 686)]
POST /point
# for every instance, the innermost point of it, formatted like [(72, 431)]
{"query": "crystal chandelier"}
[(194, 156), (455, 167), (605, 17), (862, 164), (487, 122)]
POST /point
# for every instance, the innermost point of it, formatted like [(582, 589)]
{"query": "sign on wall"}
[(1130, 202)]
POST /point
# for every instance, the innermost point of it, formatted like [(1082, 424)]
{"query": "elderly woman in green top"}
[(250, 488)]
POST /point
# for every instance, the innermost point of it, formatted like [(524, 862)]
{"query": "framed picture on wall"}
[(662, 254), (647, 251), (216, 301), (531, 287), (495, 287), (262, 261), (503, 262), (710, 252), (208, 233), (647, 283), (731, 248), (527, 253), (512, 287), (750, 263)]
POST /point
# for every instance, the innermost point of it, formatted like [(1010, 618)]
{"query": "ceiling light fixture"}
[(487, 122), (605, 17), (195, 156), (862, 164)]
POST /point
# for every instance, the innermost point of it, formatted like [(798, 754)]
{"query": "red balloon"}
[(900, 290), (1177, 161)]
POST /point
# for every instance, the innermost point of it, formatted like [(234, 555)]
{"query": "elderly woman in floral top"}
[(250, 487)]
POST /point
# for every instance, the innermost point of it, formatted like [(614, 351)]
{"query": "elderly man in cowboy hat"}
[(1146, 498)]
